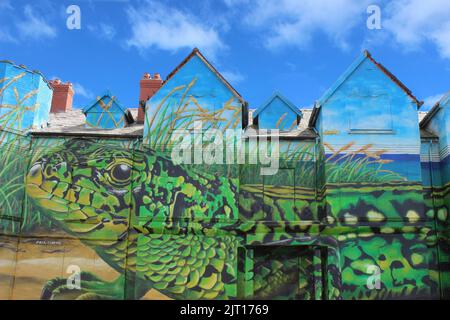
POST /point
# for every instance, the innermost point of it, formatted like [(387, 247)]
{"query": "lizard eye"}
[(35, 169), (121, 173)]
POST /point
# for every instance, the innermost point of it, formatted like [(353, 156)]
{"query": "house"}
[(358, 195)]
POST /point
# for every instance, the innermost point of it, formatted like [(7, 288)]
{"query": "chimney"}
[(147, 88), (62, 96)]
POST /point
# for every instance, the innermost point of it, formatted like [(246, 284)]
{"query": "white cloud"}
[(432, 100), (295, 23), (82, 91), (33, 26), (233, 3), (5, 32), (291, 66), (233, 77), (6, 36), (103, 30), (5, 4), (416, 22), (411, 23), (442, 39), (78, 88), (156, 25)]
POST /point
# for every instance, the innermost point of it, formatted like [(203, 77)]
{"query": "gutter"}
[(87, 134)]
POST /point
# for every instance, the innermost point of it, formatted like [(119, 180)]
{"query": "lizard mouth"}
[(43, 191), (60, 200), (56, 196)]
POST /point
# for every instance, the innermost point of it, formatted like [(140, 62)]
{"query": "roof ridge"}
[(393, 78)]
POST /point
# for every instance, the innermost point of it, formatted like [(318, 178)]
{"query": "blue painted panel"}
[(103, 120), (431, 165), (44, 96), (277, 115), (105, 113)]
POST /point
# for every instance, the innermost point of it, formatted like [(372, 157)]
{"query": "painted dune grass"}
[(359, 166), (16, 212), (14, 156), (309, 166), (172, 114), (13, 166), (12, 116)]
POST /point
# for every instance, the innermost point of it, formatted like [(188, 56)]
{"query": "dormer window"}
[(107, 113), (277, 113)]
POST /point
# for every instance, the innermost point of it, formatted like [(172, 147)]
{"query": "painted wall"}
[(436, 167), (169, 231), (371, 176)]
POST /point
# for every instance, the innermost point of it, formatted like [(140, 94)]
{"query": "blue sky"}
[(297, 47)]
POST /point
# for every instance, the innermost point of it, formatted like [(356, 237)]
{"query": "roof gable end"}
[(343, 78), (196, 53), (285, 101)]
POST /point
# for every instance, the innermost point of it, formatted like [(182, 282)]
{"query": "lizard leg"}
[(91, 287)]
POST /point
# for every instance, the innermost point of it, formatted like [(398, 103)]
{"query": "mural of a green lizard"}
[(187, 243), (176, 230)]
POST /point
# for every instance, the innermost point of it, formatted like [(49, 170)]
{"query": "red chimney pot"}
[(147, 88), (62, 96)]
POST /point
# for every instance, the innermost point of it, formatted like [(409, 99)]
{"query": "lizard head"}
[(85, 186), (90, 186)]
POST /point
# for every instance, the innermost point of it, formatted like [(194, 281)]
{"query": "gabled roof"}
[(128, 115), (196, 52), (275, 95), (105, 94), (364, 56), (434, 110)]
